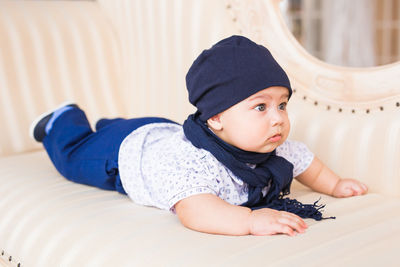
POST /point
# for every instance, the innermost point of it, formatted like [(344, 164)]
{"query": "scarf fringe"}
[(312, 211)]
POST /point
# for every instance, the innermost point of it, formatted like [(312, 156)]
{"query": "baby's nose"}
[(276, 118)]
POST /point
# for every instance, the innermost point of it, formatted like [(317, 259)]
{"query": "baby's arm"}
[(321, 179), (210, 214)]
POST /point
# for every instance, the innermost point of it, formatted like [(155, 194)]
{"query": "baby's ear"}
[(215, 123)]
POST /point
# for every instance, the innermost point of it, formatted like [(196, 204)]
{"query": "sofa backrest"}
[(114, 58), (51, 51), (159, 41)]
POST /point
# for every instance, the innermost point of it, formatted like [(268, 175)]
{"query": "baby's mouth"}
[(275, 138)]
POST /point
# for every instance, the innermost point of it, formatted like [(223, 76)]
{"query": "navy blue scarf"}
[(271, 171)]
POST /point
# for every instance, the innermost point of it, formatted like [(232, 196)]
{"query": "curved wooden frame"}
[(355, 88)]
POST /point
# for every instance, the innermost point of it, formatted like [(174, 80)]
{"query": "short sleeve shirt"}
[(159, 166)]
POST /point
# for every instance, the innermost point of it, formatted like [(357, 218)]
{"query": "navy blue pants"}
[(88, 157)]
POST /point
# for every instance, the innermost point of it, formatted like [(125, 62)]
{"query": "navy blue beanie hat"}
[(230, 71)]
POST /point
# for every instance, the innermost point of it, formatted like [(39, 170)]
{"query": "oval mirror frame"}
[(263, 22)]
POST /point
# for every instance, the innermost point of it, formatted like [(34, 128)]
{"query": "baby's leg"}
[(81, 155), (88, 157), (105, 122)]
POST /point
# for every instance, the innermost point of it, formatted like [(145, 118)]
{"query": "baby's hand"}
[(349, 188), (268, 222)]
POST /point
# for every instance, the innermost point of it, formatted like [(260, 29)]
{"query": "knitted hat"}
[(230, 71)]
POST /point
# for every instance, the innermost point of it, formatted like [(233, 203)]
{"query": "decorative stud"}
[(2, 253), (398, 104), (328, 107), (10, 258)]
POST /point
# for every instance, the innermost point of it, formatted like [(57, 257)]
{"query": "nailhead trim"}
[(353, 111), (10, 259)]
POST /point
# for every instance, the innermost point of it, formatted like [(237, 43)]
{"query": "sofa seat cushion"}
[(49, 221)]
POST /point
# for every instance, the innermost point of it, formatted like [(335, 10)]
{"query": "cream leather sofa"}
[(129, 58)]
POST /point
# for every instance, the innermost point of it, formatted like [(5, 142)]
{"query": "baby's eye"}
[(260, 107), (282, 106)]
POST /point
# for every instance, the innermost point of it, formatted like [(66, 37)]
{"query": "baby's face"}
[(259, 123)]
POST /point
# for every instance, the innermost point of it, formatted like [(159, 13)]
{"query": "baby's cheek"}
[(287, 125), (285, 133)]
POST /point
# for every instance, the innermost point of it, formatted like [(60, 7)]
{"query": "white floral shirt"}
[(158, 167)]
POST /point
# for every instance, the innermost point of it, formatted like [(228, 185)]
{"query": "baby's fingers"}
[(269, 222), (358, 189), (285, 229), (295, 218), (294, 224), (361, 188), (350, 187)]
